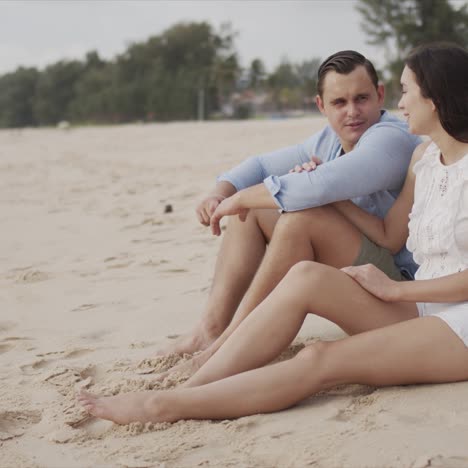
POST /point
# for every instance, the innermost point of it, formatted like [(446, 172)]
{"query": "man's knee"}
[(301, 222)]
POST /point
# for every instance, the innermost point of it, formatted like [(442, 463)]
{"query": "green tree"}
[(17, 91), (257, 73), (294, 85), (163, 78), (55, 91), (307, 73), (400, 25)]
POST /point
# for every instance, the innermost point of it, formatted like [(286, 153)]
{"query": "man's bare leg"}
[(321, 234), (242, 250)]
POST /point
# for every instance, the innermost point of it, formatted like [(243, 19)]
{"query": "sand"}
[(95, 277)]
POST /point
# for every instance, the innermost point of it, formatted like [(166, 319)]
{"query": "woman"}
[(401, 332)]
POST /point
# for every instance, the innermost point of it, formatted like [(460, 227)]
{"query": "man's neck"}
[(346, 148)]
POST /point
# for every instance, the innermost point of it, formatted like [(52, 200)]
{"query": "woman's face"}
[(419, 111)]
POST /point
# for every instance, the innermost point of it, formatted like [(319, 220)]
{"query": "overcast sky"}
[(38, 32)]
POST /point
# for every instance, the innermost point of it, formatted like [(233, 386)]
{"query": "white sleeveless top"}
[(438, 226)]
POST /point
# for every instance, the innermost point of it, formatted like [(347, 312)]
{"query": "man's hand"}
[(228, 207), (206, 208), (375, 281), (308, 166)]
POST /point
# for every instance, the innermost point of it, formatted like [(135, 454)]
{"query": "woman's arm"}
[(450, 288), (392, 231)]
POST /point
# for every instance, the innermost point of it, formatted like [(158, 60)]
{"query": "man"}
[(362, 155)]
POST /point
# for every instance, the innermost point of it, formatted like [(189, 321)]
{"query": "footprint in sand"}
[(85, 307), (76, 353), (440, 462), (35, 367), (149, 240), (120, 265), (67, 354), (32, 276), (152, 222), (8, 343), (15, 423), (175, 270), (4, 348), (46, 360), (65, 379), (357, 404)]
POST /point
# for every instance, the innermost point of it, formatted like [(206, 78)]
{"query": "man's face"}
[(351, 104)]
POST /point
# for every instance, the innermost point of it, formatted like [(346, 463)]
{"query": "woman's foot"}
[(125, 408)]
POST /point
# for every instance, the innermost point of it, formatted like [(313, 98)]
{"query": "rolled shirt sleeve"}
[(378, 162), (255, 169)]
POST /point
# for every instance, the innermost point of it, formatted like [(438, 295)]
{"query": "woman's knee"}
[(313, 352), (317, 355), (308, 272)]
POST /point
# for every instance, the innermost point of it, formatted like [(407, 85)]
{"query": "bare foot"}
[(198, 340), (125, 408), (186, 368)]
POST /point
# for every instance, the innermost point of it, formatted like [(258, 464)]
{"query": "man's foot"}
[(125, 408), (198, 340), (186, 368)]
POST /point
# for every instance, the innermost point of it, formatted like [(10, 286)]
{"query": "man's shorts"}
[(380, 257)]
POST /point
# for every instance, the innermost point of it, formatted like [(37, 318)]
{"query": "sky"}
[(38, 32), (41, 32)]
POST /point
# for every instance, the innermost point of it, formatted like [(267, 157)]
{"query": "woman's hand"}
[(228, 207), (375, 281)]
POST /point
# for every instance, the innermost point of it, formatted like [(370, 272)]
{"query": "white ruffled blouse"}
[(438, 226)]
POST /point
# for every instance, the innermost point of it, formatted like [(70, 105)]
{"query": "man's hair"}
[(441, 71), (344, 62)]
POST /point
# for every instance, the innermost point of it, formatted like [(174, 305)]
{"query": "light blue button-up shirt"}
[(371, 175)]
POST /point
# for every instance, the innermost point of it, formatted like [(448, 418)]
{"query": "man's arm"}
[(208, 205), (379, 162), (252, 172), (239, 204), (255, 169)]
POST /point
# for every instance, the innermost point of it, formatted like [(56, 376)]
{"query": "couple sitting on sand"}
[(336, 250)]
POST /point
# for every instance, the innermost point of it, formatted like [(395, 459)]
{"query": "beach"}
[(103, 262)]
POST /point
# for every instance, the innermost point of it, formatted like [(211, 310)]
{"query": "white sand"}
[(95, 277)]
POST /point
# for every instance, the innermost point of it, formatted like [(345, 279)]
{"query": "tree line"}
[(192, 71), (161, 79)]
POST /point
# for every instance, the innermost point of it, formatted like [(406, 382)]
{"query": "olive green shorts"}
[(380, 257)]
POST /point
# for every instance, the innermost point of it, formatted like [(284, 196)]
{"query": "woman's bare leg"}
[(308, 287), (401, 353)]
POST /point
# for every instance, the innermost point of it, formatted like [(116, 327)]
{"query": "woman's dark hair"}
[(345, 62), (441, 71)]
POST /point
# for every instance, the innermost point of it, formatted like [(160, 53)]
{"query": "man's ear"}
[(381, 93), (319, 102)]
